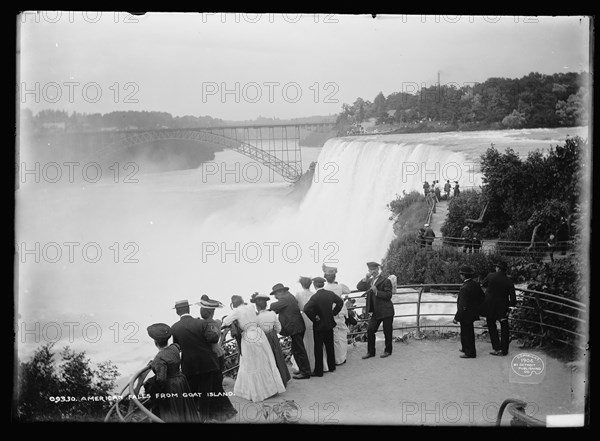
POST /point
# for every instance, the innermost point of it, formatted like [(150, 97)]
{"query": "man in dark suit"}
[(499, 296), (319, 309), (199, 363), (378, 290), (470, 298), (292, 325)]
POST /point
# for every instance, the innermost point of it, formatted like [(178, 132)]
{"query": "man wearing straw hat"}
[(199, 363), (468, 304)]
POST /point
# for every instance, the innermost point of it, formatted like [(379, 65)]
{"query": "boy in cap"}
[(378, 290)]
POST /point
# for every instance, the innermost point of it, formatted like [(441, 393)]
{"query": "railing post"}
[(419, 310)]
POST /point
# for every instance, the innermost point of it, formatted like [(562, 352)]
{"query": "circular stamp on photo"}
[(527, 368)]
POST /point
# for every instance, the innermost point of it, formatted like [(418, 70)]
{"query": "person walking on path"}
[(468, 304), (321, 309), (447, 188), (378, 290), (292, 325), (429, 235), (499, 297)]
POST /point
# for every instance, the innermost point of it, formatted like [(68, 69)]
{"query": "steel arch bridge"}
[(274, 146)]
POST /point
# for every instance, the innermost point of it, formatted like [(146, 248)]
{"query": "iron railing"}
[(545, 303)]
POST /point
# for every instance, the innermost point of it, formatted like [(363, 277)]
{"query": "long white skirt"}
[(258, 377)]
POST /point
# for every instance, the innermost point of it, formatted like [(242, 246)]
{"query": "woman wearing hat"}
[(258, 377), (221, 408), (169, 380), (269, 323)]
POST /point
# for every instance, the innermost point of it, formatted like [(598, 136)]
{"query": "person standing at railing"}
[(199, 363), (292, 325), (321, 309), (258, 377), (309, 342), (467, 238), (269, 323), (378, 290), (499, 297), (168, 379), (476, 241), (221, 408), (340, 332), (426, 188), (468, 304)]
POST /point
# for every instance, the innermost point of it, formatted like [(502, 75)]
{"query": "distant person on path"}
[(468, 304), (436, 189), (258, 377), (447, 188), (467, 238), (432, 200), (168, 379), (309, 342), (321, 309), (269, 323), (476, 241), (292, 325), (551, 246), (340, 332), (199, 363), (421, 237), (378, 290), (499, 296), (426, 188), (429, 236), (456, 188)]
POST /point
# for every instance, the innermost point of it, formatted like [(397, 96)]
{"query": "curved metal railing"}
[(545, 303), (517, 409)]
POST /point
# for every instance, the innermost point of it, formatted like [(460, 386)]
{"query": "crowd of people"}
[(187, 385), (433, 191)]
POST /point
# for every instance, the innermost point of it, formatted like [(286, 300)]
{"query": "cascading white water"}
[(219, 238)]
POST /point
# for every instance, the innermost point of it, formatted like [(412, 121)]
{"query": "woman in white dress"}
[(269, 323), (309, 343), (258, 377), (340, 332)]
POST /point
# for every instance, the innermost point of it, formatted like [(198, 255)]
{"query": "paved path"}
[(424, 382), (439, 217)]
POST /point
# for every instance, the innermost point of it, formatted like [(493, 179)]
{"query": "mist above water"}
[(180, 234)]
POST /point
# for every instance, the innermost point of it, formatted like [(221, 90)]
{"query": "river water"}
[(99, 262)]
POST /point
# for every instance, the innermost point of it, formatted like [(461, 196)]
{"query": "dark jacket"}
[(289, 313), (319, 309), (196, 337), (499, 295), (468, 304), (429, 235), (381, 304)]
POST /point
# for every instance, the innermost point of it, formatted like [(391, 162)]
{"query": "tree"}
[(515, 120), (41, 380), (573, 112)]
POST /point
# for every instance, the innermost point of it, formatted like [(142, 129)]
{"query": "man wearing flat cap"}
[(292, 325), (321, 311), (468, 304), (199, 363), (499, 296), (378, 290)]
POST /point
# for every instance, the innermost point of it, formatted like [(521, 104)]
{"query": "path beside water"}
[(425, 382)]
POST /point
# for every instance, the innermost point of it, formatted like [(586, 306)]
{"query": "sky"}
[(241, 66)]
